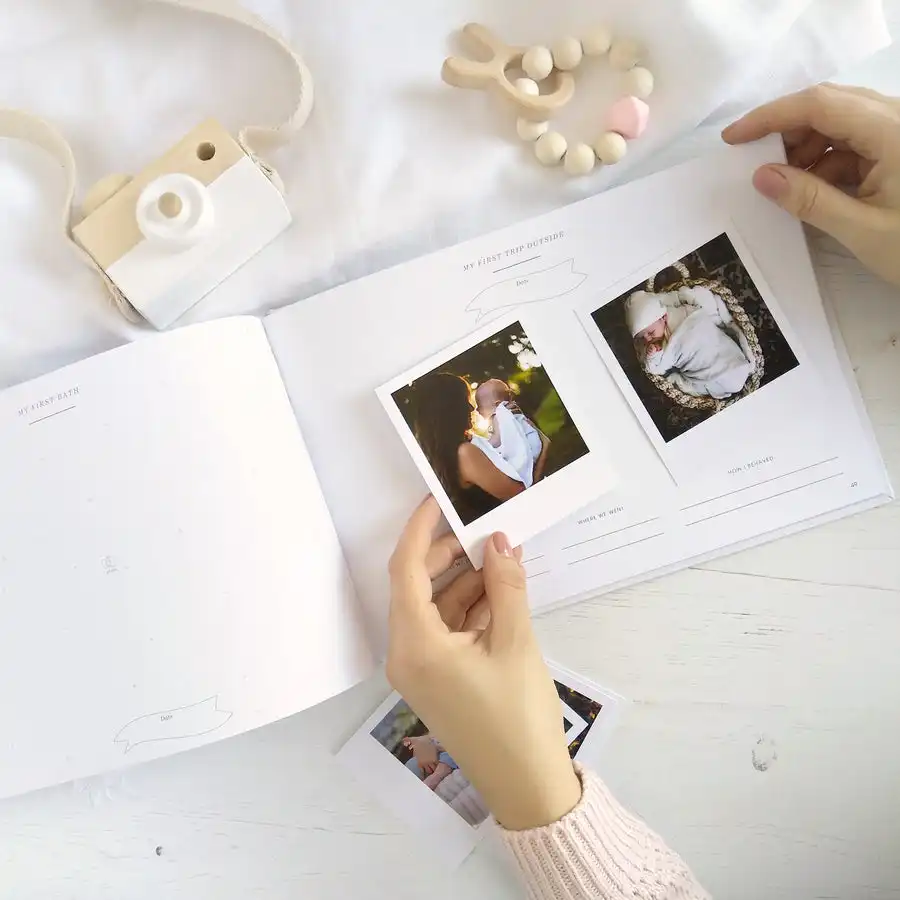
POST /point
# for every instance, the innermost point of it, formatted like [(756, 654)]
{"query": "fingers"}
[(504, 584), (479, 615), (410, 578), (457, 598), (812, 200), (443, 552), (868, 125), (808, 151), (839, 168)]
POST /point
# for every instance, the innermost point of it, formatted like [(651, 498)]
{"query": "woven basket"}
[(741, 319)]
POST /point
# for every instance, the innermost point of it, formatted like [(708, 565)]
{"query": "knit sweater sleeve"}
[(599, 850)]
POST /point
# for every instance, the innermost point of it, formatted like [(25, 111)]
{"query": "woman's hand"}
[(836, 137), (468, 664)]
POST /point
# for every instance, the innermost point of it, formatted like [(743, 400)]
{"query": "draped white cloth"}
[(392, 164)]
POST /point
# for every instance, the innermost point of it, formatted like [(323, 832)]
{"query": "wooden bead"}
[(638, 82), (597, 41), (537, 63), (530, 131), (527, 86), (550, 148), (580, 160), (624, 54), (567, 54), (610, 148)]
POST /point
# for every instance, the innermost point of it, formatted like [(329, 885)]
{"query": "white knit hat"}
[(642, 310)]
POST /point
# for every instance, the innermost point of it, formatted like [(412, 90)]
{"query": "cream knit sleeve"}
[(599, 850)]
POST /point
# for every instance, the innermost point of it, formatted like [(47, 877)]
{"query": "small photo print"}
[(696, 337), (407, 738), (579, 716), (490, 422)]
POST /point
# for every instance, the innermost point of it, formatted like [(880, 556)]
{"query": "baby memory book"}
[(196, 526)]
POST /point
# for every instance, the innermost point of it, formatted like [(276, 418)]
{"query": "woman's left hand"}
[(468, 663)]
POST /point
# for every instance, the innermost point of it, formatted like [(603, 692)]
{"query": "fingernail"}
[(502, 545), (770, 182), (727, 132)]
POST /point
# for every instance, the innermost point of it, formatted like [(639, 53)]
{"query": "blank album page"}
[(649, 373), (169, 573)]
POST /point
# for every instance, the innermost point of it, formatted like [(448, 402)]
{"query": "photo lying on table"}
[(414, 775), (493, 438), (408, 740), (698, 338)]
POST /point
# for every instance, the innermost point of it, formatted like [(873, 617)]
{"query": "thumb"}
[(810, 199), (504, 586)]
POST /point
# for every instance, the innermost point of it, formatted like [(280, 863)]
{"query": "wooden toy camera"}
[(165, 238), (168, 236)]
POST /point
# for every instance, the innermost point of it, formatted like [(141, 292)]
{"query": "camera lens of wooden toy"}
[(175, 211)]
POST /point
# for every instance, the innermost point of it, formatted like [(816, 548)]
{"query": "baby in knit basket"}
[(689, 337)]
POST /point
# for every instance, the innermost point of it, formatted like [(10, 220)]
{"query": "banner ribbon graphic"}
[(527, 287), (174, 724)]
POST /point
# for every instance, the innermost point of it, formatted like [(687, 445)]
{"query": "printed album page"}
[(652, 368), (169, 573)]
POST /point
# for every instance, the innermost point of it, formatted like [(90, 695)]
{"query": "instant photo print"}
[(410, 771), (706, 359), (492, 434)]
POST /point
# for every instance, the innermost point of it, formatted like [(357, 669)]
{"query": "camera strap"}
[(254, 139)]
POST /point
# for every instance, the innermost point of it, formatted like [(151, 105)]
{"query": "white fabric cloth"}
[(699, 357), (520, 442), (392, 164)]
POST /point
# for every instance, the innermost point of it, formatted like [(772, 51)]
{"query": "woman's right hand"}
[(836, 137), (468, 663)]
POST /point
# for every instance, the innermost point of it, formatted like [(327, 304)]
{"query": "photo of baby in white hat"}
[(695, 338), (688, 337)]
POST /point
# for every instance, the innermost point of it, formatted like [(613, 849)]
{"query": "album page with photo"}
[(627, 385)]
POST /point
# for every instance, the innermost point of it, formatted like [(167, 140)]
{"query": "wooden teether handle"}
[(472, 74)]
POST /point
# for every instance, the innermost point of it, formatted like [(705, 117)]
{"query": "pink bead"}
[(628, 116)]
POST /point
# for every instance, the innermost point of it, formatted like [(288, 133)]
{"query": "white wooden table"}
[(762, 741)]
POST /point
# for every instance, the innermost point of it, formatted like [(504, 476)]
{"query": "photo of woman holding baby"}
[(490, 423), (687, 352)]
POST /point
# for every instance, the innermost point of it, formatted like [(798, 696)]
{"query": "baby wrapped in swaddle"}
[(516, 443), (689, 337)]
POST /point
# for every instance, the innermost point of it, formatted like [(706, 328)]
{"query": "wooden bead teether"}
[(626, 119)]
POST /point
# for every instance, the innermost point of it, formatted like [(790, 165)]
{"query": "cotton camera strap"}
[(23, 126)]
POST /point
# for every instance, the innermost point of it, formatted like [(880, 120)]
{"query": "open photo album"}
[(197, 525)]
